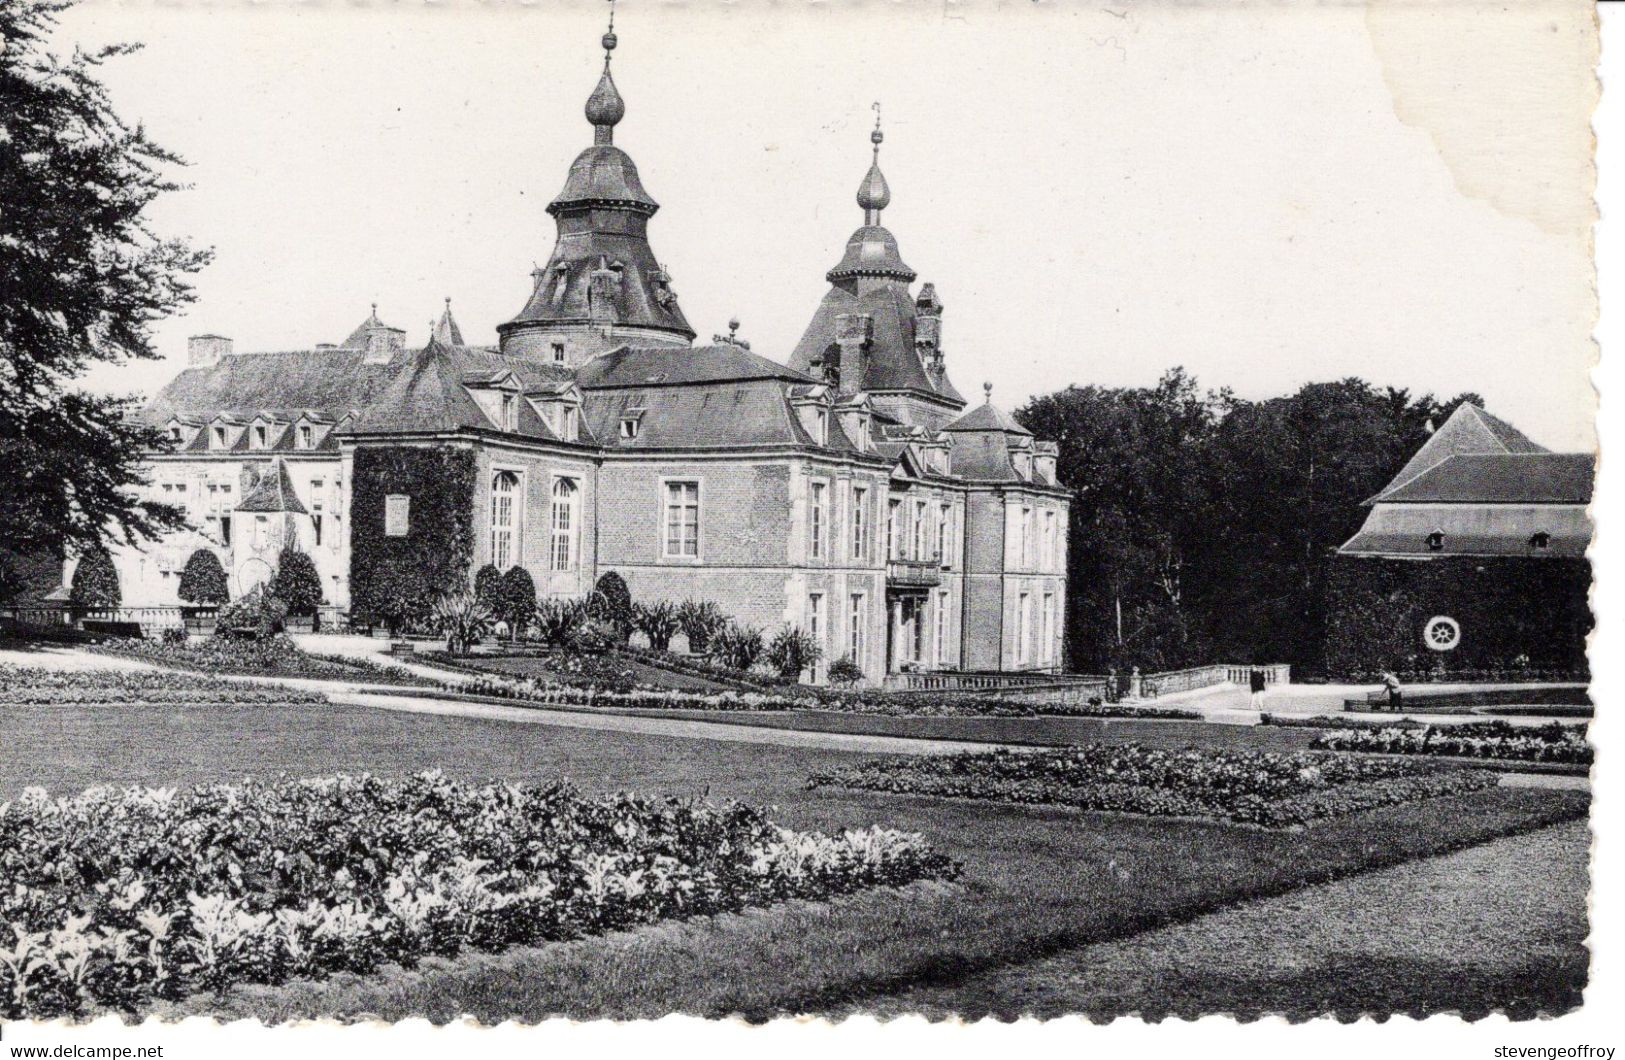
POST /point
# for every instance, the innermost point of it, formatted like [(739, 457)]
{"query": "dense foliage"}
[(254, 615), (611, 602), (83, 279), (114, 898), (95, 580), (272, 656), (296, 582), (659, 622), (396, 579), (203, 580), (792, 651), (463, 619), (516, 600), (1553, 742), (701, 620), (1251, 787), (1203, 525)]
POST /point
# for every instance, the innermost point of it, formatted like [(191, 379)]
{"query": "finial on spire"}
[(605, 108), (874, 194), (987, 391), (733, 326)]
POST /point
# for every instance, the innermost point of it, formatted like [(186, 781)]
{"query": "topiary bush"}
[(517, 600), (611, 602), (845, 672), (95, 581), (296, 582), (488, 587), (203, 580)]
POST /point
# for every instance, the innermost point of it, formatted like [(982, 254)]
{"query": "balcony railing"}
[(914, 573)]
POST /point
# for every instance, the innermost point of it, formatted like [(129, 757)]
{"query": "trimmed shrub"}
[(518, 600), (95, 581), (203, 581), (611, 602), (845, 672), (488, 587), (296, 582)]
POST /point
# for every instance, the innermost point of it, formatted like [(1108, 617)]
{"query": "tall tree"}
[(82, 280)]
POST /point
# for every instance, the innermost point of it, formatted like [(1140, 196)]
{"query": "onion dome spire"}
[(605, 107), (873, 193)]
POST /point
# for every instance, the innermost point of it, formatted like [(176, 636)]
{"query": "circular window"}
[(1442, 633)]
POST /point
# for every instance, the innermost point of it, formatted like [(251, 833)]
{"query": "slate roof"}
[(988, 417), (273, 492), (646, 366), (1501, 478), (893, 363), (1468, 430)]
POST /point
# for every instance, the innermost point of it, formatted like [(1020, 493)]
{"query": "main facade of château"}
[(850, 491)]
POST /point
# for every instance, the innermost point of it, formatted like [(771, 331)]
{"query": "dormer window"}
[(219, 437), (567, 430), (821, 435), (1436, 541), (175, 435), (259, 437), (305, 436), (558, 353), (629, 427), (1540, 541), (510, 412)]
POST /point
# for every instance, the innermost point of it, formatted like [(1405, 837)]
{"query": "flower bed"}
[(1253, 787), (544, 692), (114, 898), (256, 657), (32, 686), (1497, 740)]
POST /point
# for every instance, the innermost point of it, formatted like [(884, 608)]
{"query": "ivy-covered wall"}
[(1515, 614), (402, 575)]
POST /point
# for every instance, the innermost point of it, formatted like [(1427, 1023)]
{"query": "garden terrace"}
[(1245, 787), (174, 892), (1037, 880)]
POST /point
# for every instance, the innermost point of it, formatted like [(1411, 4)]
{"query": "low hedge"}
[(32, 686), (253, 657), (1271, 789)]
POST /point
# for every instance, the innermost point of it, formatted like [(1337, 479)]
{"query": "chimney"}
[(928, 328), (852, 331), (204, 350)]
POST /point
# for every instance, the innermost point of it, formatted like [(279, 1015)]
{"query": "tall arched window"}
[(504, 519), (565, 524)]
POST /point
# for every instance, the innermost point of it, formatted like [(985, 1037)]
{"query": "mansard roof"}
[(988, 417)]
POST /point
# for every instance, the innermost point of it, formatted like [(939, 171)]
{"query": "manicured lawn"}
[(1037, 881), (1472, 932)]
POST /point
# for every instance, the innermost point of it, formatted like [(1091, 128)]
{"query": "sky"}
[(1266, 195)]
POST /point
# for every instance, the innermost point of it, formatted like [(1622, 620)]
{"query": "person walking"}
[(1256, 681)]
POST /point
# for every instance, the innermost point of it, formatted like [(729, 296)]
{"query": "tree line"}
[(1204, 525)]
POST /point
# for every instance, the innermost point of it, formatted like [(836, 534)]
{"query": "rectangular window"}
[(894, 534), (1026, 538), (942, 628), (565, 492), (815, 624), (262, 531), (919, 530), (817, 516), (1023, 631), (856, 623), (304, 437), (509, 410), (682, 519), (558, 353), (569, 432), (945, 522), (259, 437), (1047, 648), (860, 500), (1049, 539), (397, 514), (225, 529), (219, 437)]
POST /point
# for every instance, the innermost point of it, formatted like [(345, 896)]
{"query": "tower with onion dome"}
[(871, 333), (602, 287)]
